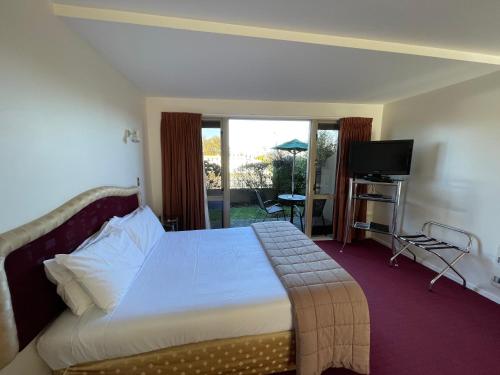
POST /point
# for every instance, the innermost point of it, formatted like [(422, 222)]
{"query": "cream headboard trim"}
[(18, 237)]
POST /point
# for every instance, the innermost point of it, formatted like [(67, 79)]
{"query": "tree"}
[(326, 146), (212, 146)]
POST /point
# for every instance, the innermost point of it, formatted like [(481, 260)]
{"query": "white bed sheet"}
[(194, 286)]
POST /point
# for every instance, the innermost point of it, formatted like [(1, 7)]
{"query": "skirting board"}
[(449, 275)]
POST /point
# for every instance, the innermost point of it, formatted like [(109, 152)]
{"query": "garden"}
[(269, 173)]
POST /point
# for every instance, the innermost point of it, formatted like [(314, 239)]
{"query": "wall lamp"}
[(131, 135)]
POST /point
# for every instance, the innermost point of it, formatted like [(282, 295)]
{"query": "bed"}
[(204, 302)]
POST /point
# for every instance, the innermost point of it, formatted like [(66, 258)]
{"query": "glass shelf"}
[(366, 226), (385, 198)]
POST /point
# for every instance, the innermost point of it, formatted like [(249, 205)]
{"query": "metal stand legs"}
[(393, 261), (448, 267), (432, 245)]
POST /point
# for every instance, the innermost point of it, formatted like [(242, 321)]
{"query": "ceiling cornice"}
[(143, 19)]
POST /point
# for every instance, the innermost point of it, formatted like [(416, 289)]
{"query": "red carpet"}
[(450, 331)]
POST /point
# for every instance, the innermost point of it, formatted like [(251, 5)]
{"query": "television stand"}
[(378, 178), (392, 197)]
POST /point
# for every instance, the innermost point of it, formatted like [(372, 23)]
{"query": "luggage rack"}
[(432, 245)]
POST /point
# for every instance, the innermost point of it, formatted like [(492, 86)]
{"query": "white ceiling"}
[(180, 63), (457, 24)]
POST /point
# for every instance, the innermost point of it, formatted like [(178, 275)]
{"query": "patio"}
[(245, 211), (243, 215), (246, 215)]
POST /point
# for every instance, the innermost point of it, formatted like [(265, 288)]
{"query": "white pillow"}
[(105, 268), (142, 226), (96, 236), (75, 297), (67, 287)]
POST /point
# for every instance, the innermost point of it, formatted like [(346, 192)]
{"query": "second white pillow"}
[(105, 268), (142, 226)]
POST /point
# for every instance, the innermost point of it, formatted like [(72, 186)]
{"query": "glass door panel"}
[(260, 170), (322, 178), (211, 133)]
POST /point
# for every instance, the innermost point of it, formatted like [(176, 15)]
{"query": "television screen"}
[(381, 157)]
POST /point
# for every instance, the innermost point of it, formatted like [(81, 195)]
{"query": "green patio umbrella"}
[(294, 146)]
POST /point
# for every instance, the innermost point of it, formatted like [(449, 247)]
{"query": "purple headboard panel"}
[(34, 299)]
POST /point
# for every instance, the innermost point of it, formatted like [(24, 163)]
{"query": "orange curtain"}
[(352, 129), (182, 169)]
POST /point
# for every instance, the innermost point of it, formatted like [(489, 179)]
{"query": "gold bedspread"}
[(248, 355), (330, 311)]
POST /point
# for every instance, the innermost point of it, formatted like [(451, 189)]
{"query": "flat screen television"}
[(379, 158)]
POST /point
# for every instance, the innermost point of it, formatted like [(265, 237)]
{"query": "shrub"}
[(253, 175), (282, 173), (213, 173)]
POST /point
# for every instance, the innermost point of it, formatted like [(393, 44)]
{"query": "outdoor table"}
[(291, 200)]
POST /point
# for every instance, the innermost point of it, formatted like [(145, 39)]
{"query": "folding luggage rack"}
[(433, 245)]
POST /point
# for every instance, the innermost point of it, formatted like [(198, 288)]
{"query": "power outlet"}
[(138, 181), (496, 278), (496, 281)]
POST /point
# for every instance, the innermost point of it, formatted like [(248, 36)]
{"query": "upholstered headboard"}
[(28, 301)]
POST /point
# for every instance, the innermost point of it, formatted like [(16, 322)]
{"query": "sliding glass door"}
[(322, 173), (249, 164), (212, 142)]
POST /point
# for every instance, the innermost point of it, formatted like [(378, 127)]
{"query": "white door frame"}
[(224, 196), (226, 177)]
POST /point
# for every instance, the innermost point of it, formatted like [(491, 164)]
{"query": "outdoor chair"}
[(318, 207), (270, 207)]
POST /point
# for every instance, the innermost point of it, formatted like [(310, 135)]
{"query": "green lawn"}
[(246, 212), (240, 215)]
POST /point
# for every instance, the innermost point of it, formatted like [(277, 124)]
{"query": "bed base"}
[(248, 355)]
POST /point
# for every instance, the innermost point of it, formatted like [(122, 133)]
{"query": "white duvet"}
[(194, 286)]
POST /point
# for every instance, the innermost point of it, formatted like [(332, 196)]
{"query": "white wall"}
[(63, 112), (455, 175), (236, 108)]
